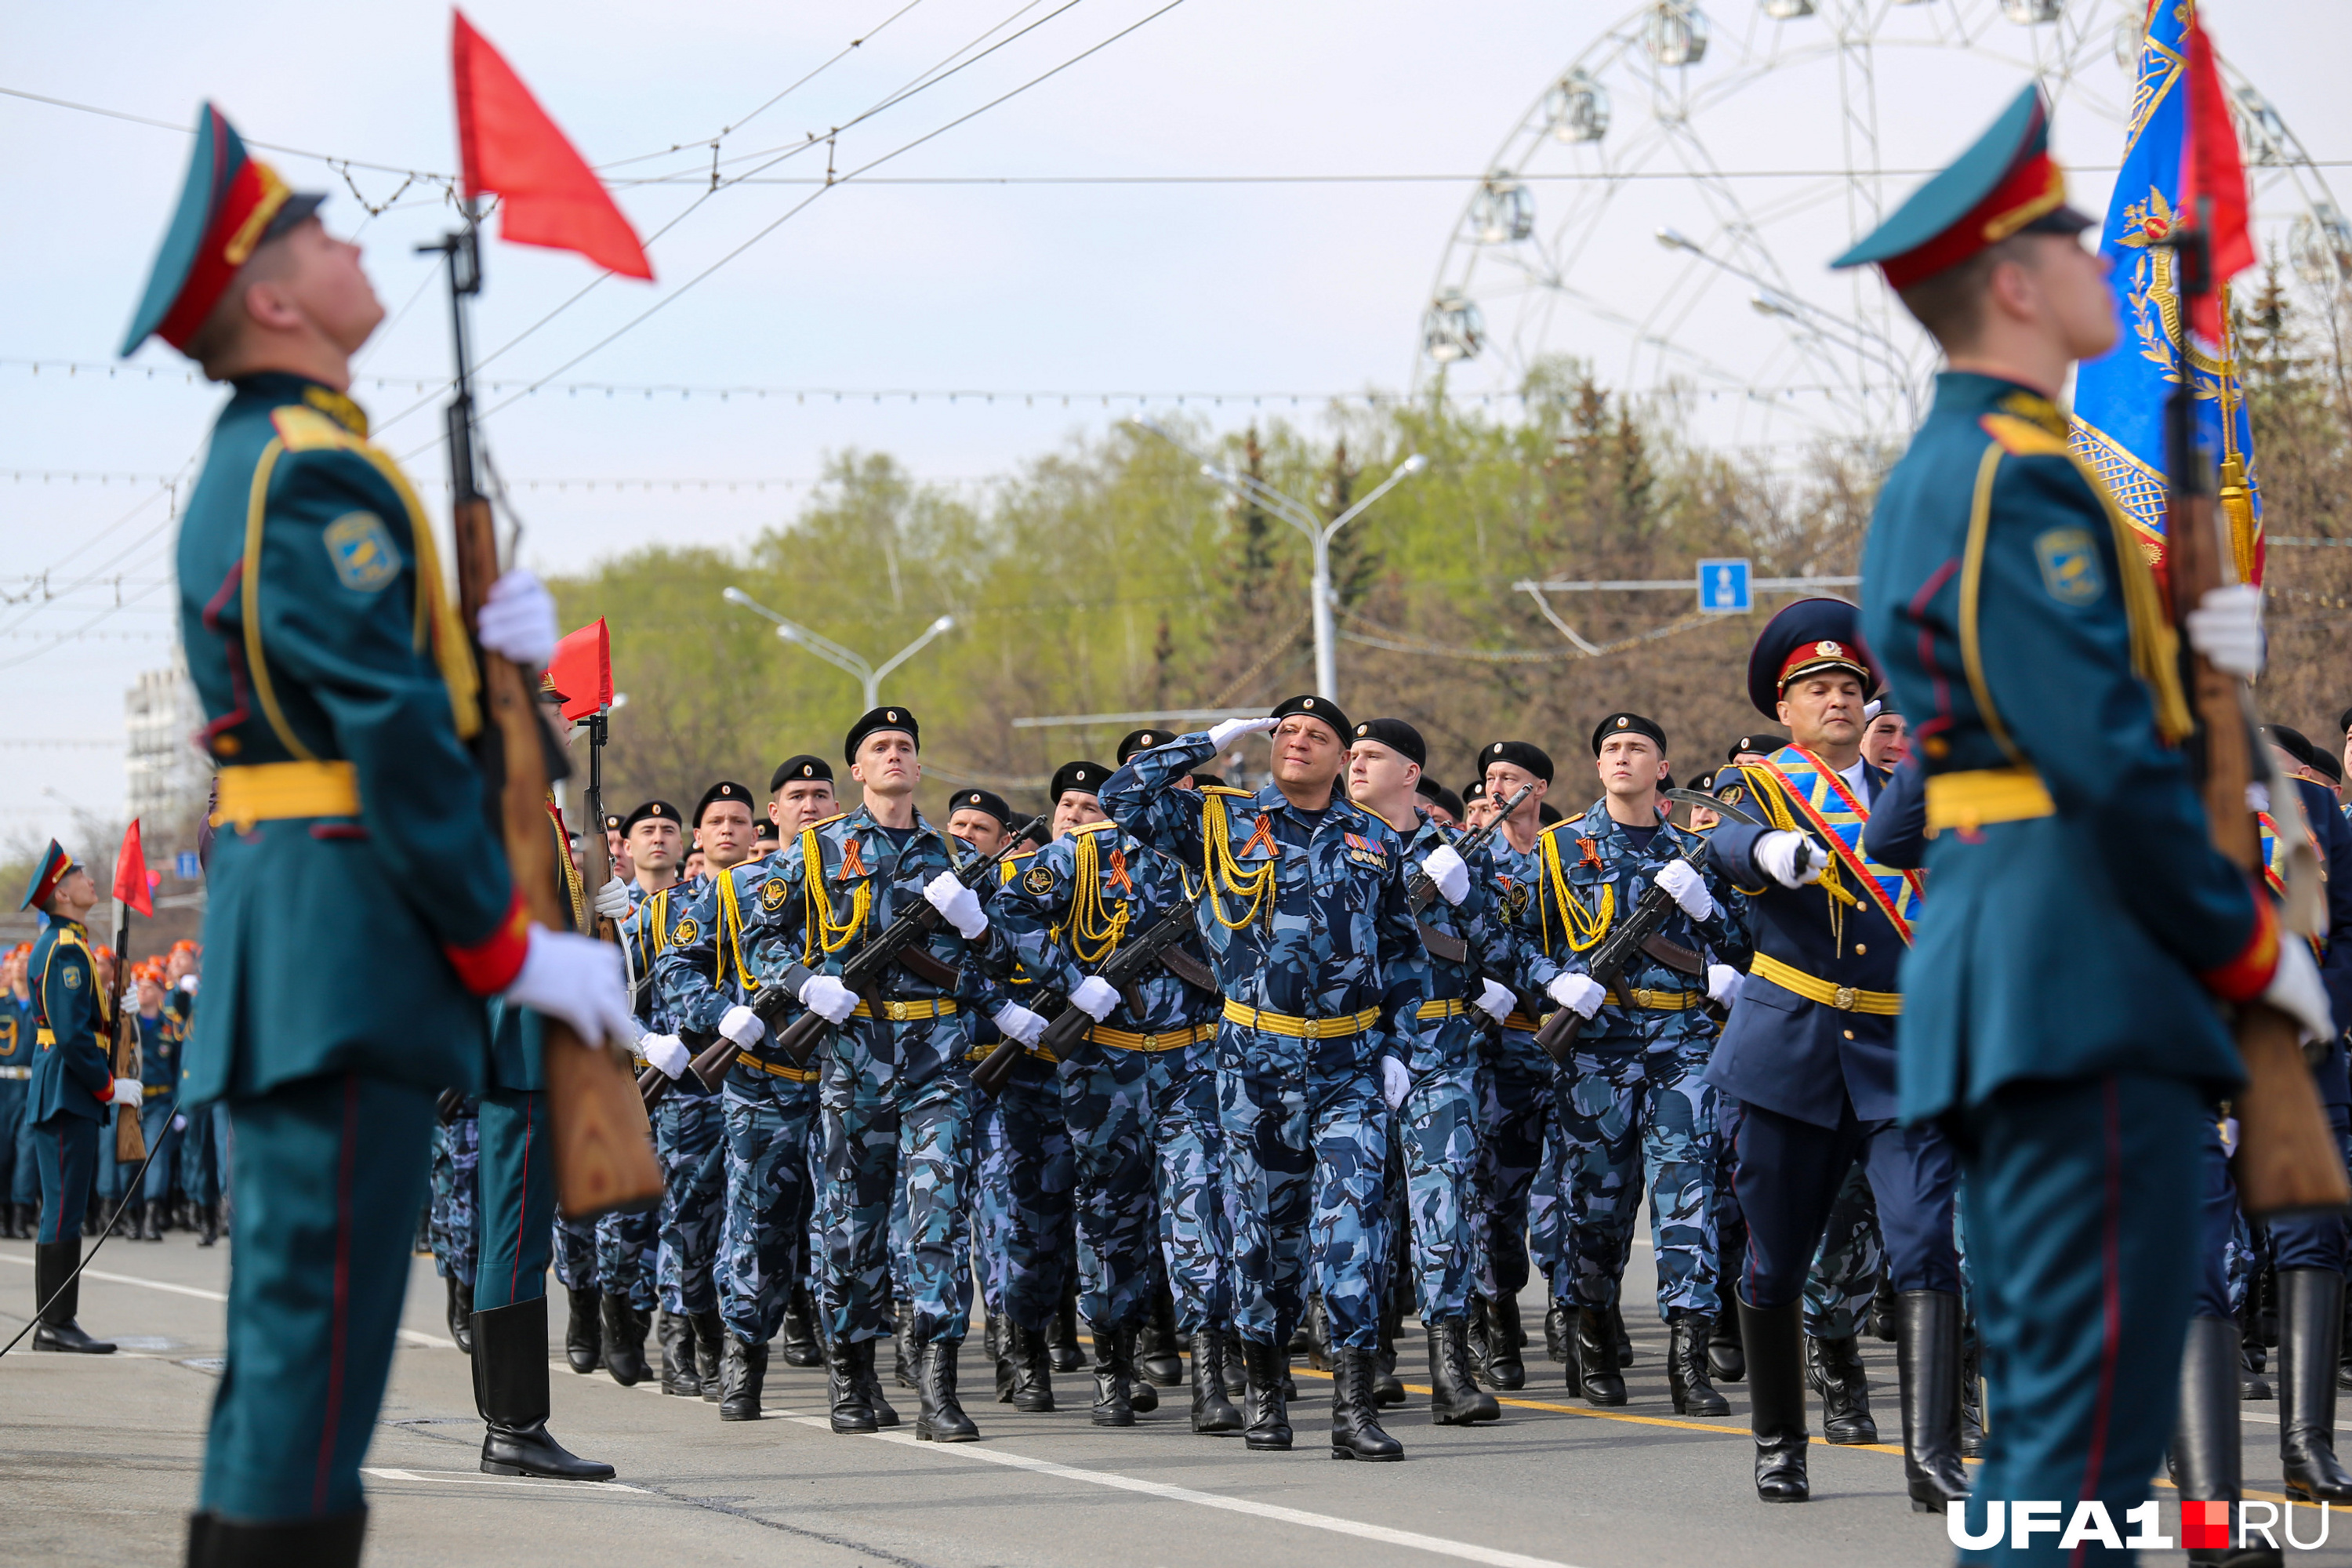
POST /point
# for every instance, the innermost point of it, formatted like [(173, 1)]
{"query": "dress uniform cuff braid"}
[(2246, 975), (489, 965)]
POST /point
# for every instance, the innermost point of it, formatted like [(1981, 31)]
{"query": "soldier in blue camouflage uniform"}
[(1630, 1100), (896, 1089), (457, 1156), (1314, 946), (1839, 1289), (703, 986), (1466, 944), (1132, 1094)]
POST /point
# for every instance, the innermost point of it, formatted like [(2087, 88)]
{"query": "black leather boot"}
[(1388, 1388), (208, 1224), (1597, 1377), (1885, 1315), (1724, 1357), (1557, 1336), (742, 1377), (624, 1338), (1625, 1339), (2206, 1460), (511, 1391), (1686, 1369), (1928, 1353), (1114, 1374), (583, 1331), (12, 1218), (845, 1386), (941, 1418), (678, 1375), (901, 1368), (143, 1222), (2311, 1318), (1266, 1424), (1503, 1341), (1775, 1389), (1318, 1336), (994, 1340), (1454, 1399), (1834, 1369), (1212, 1411), (709, 1342), (1033, 1372), (1972, 1427), (868, 1355), (801, 1346), (56, 1297), (1062, 1348), (1161, 1360), (1235, 1374), (1355, 1425), (460, 1312), (333, 1542)]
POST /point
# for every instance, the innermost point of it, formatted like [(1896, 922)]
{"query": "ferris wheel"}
[(1665, 209)]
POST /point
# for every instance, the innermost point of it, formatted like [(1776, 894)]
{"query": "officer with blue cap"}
[(2062, 1013)]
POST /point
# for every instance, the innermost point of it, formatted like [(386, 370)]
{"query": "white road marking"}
[(461, 1478), (414, 1336)]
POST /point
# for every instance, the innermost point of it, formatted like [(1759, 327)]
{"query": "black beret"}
[(1477, 790), (765, 830), (725, 789), (2292, 741), (985, 800), (1763, 743), (1398, 736), (1321, 708), (875, 720), (1627, 724), (1804, 638), (1438, 794), (801, 767), (612, 822), (2325, 763), (1519, 755), (1206, 781), (1547, 813), (1079, 775), (2345, 723), (1142, 740), (652, 811)]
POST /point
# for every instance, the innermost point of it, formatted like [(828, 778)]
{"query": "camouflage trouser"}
[(1195, 1236), (1513, 1111), (1848, 1263), (1624, 1116), (885, 1129), (1548, 1226), (1437, 1128), (457, 1157), (1022, 1214), (608, 1254), (689, 1135), (1304, 1152), (575, 1253), (764, 1235), (1105, 1101)]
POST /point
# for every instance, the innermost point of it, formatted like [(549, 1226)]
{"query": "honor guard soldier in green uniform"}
[(2060, 999), (339, 692)]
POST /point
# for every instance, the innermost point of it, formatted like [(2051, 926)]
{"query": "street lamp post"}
[(1319, 539), (869, 676)]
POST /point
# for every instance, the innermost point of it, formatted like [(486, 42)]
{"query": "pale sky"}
[(1306, 287)]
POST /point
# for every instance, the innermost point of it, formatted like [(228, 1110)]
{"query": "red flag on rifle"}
[(2212, 181), (130, 882), (508, 144), (581, 671)]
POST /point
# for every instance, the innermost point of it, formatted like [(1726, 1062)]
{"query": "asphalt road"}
[(99, 1458)]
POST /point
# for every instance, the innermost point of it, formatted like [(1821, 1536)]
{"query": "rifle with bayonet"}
[(1420, 890), (129, 1136), (900, 943)]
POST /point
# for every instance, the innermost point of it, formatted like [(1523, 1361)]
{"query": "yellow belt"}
[(1520, 1021), (1268, 1023), (776, 1069), (1451, 1007), (1846, 998), (1656, 1001), (1969, 799), (150, 1090), (908, 1011), (981, 1052), (1165, 1040), (267, 792)]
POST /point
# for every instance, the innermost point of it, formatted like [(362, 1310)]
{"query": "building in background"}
[(167, 777)]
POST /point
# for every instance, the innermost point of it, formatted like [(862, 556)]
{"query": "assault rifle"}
[(1122, 970), (1421, 890)]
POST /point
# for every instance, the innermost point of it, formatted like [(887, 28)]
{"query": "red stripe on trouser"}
[(338, 1345), (2111, 1303)]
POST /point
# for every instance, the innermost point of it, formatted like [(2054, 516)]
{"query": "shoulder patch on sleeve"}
[(2069, 558), (772, 893), (2023, 437), (366, 559), (684, 935), (1040, 880), (305, 429)]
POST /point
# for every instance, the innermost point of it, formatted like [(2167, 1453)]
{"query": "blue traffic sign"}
[(184, 866), (1724, 587)]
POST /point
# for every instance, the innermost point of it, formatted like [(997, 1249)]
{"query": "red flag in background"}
[(2212, 180), (130, 883), (508, 144), (581, 671)]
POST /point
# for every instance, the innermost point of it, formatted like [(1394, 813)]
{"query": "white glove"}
[(127, 1091), (131, 997), (1723, 984), (742, 1026), (1230, 730), (517, 620), (1495, 999), (828, 998), (2295, 989), (2229, 1136), (957, 903), (1681, 878), (667, 1052), (188, 984), (1016, 1022), (1395, 1082), (1095, 996), (1446, 868), (2226, 626), (1579, 994), (578, 980), (1777, 853), (613, 899), (180, 1122)]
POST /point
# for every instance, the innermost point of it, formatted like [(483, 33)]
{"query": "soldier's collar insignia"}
[(339, 408)]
